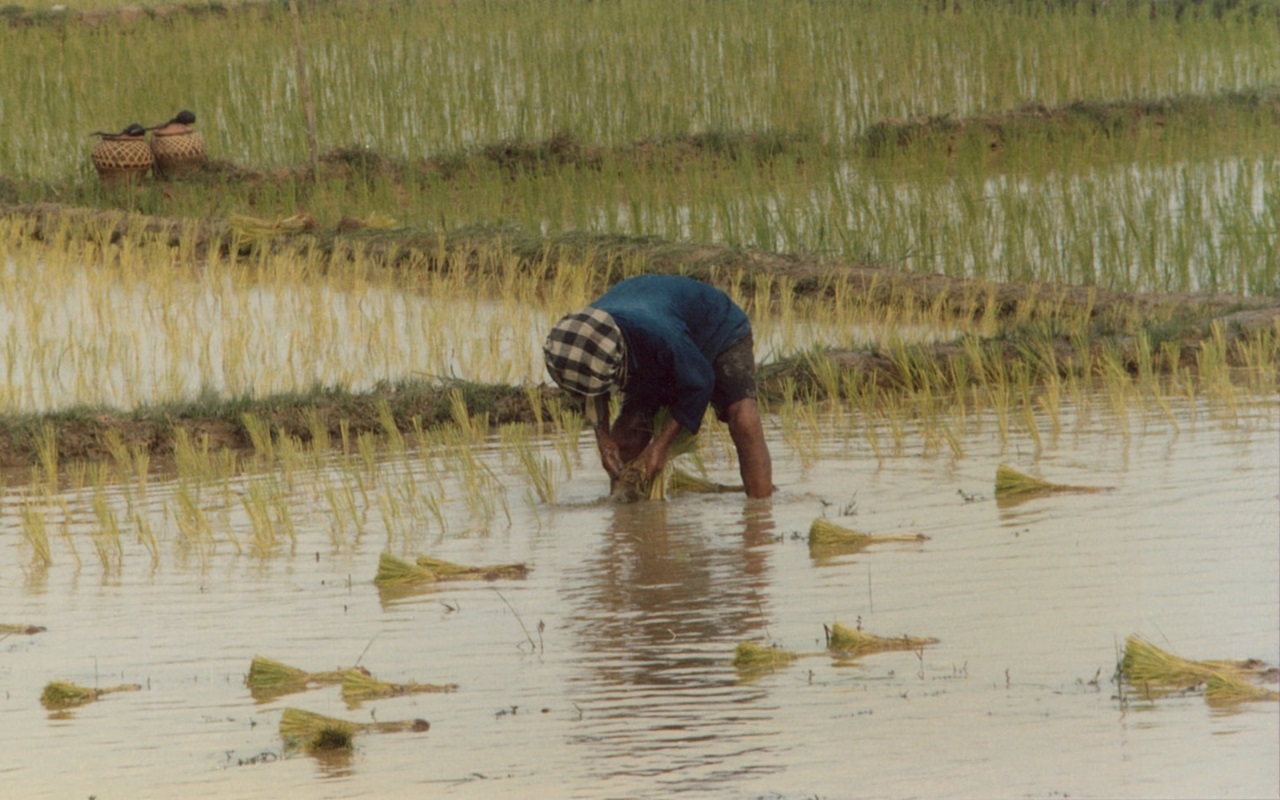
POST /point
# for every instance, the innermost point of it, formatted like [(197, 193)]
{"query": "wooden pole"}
[(304, 91)]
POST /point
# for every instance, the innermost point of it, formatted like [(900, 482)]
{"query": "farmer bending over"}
[(667, 342)]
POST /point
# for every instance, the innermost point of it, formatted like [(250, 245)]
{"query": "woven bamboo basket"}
[(177, 149), (120, 157)]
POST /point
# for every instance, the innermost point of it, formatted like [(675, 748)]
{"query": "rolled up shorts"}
[(735, 379)]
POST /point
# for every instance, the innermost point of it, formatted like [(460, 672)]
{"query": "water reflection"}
[(657, 611)]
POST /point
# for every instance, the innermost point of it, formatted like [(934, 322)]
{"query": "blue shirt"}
[(674, 328)]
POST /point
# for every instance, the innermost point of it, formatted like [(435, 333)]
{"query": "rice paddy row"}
[(822, 129), (1178, 205), (117, 347), (202, 502), (410, 78)]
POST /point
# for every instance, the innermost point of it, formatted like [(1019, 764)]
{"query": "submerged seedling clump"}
[(824, 534), (270, 678), (358, 686), (847, 641), (63, 694), (393, 571), (312, 731), (1155, 671), (1012, 483), (751, 657)]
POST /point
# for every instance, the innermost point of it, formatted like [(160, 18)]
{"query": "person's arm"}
[(610, 455)]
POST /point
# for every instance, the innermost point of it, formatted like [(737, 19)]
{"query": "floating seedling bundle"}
[(751, 658), (358, 686), (1012, 484), (7, 629), (312, 731), (825, 535), (1155, 672), (61, 694), (845, 641), (393, 571), (270, 678)]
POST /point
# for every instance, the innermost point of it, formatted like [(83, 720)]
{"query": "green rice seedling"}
[(390, 430), (539, 469), (193, 522), (845, 641), (359, 686), (311, 731), (318, 430), (106, 536), (1011, 484), (36, 534), (367, 446), (266, 506), (826, 536), (751, 659), (147, 538), (59, 695), (47, 451), (259, 431)]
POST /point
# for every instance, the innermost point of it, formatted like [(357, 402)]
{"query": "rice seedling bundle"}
[(632, 485), (63, 694), (269, 678), (253, 230), (265, 673), (1012, 483), (448, 571), (753, 657), (397, 571), (11, 629), (1225, 688), (825, 534), (312, 731), (1159, 671), (358, 686), (682, 481), (844, 640)]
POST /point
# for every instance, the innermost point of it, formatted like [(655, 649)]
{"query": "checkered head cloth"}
[(585, 353)]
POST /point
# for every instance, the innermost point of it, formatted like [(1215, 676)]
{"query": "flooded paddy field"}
[(606, 672)]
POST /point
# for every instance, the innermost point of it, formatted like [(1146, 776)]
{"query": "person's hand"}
[(610, 456), (653, 457)]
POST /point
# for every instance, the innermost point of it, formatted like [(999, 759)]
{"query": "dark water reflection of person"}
[(657, 613)]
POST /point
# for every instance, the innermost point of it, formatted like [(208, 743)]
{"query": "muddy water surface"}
[(606, 673)]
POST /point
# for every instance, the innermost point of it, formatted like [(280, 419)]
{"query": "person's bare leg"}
[(754, 463)]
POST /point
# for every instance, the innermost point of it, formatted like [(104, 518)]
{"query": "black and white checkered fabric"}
[(585, 353)]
